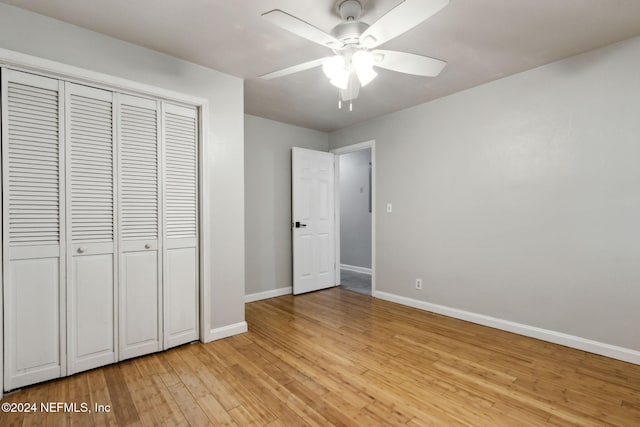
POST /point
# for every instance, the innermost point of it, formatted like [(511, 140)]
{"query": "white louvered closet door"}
[(91, 227), (140, 288), (180, 260), (33, 217)]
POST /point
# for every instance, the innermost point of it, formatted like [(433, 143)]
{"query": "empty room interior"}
[(320, 212)]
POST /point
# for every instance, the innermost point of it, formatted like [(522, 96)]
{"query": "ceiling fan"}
[(354, 44)]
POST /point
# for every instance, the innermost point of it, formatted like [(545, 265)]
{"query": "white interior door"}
[(180, 260), (33, 221), (140, 286), (313, 219), (91, 241)]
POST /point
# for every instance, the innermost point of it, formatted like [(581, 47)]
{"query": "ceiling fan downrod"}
[(350, 10), (350, 29)]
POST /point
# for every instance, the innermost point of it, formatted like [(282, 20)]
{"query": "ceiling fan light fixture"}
[(341, 81), (333, 66), (362, 61), (336, 71), (366, 76)]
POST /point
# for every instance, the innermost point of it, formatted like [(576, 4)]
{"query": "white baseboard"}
[(268, 294), (227, 331), (355, 268), (608, 350)]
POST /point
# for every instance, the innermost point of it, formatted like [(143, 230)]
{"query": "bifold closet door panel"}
[(180, 260), (91, 262), (33, 218), (140, 286)]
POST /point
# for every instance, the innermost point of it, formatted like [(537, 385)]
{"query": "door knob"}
[(147, 246), (299, 224), (82, 249)]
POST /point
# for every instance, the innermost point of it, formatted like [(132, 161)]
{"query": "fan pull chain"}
[(340, 102)]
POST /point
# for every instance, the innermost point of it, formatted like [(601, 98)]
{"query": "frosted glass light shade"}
[(342, 81), (333, 66), (335, 69), (362, 61)]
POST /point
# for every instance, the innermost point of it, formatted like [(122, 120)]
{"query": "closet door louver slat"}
[(180, 148), (91, 209), (140, 285), (181, 177), (23, 189), (33, 265), (83, 191)]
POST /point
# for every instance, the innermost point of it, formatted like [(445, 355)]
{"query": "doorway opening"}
[(355, 217)]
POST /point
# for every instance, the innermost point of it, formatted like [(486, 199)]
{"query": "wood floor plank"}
[(142, 393), (164, 404), (268, 398), (252, 407), (215, 411), (192, 412), (188, 376), (58, 392), (120, 394), (243, 417), (220, 389), (80, 394), (38, 396), (337, 358), (99, 394)]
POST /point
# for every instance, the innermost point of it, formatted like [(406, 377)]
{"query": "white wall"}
[(268, 200), (44, 37), (519, 199), (355, 218)]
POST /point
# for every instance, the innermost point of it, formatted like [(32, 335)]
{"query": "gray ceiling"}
[(482, 40)]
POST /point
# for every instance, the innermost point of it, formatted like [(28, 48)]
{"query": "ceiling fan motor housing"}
[(349, 32)]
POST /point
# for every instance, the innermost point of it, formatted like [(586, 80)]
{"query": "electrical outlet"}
[(419, 284)]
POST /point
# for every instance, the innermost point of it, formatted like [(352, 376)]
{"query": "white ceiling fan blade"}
[(302, 28), (294, 69), (399, 20), (408, 63)]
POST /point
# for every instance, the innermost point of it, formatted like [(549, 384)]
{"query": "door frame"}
[(370, 144)]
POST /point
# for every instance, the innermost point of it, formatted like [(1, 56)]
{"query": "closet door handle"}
[(147, 246), (82, 249)]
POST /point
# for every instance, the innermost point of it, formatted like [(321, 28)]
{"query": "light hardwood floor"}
[(340, 358)]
